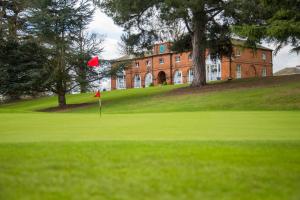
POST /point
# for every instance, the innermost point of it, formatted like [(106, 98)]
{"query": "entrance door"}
[(161, 77)]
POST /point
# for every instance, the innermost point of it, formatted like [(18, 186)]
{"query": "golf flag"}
[(98, 94), (94, 62)]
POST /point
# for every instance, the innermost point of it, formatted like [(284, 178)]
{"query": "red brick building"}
[(163, 65)]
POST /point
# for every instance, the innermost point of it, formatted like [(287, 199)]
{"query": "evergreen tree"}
[(21, 58), (271, 20), (85, 46), (21, 69), (207, 24), (55, 24)]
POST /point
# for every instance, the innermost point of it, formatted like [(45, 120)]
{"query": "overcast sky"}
[(102, 24)]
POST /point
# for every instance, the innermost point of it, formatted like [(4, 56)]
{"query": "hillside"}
[(272, 93)]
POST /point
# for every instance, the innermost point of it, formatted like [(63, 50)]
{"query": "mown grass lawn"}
[(236, 144), (151, 170)]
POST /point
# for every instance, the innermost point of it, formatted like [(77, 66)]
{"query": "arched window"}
[(121, 81), (148, 80), (190, 76), (264, 72), (137, 81), (238, 71), (178, 77)]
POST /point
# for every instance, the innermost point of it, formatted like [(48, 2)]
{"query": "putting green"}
[(222, 125)]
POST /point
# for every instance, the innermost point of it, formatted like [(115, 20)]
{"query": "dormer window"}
[(161, 61), (177, 58), (137, 64), (264, 56), (162, 48)]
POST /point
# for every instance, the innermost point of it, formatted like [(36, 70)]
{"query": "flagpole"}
[(100, 106), (100, 103)]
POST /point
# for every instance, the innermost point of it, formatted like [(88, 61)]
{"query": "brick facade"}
[(174, 68)]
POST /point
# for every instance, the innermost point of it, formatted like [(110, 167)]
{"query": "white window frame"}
[(264, 56), (177, 59), (238, 71), (121, 84), (135, 83), (190, 56), (147, 84), (137, 64), (238, 52), (161, 61), (148, 63), (190, 76), (264, 71), (175, 79)]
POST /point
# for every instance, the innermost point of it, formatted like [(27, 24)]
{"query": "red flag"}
[(94, 62), (98, 94)]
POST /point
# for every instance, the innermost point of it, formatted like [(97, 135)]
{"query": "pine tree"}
[(274, 21), (207, 24), (21, 58), (85, 46), (55, 24), (21, 69)]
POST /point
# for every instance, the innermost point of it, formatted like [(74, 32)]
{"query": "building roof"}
[(240, 42), (288, 71)]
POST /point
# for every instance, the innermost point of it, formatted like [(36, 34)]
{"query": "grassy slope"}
[(209, 154), (275, 97)]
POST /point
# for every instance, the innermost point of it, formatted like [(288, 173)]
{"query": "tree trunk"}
[(62, 99), (199, 50), (82, 82)]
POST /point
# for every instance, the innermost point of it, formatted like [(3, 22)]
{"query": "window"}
[(178, 77), (238, 52), (137, 81), (177, 58), (190, 56), (148, 80), (137, 64), (121, 80), (162, 48), (264, 72), (161, 61), (238, 71), (148, 63), (264, 56), (191, 76)]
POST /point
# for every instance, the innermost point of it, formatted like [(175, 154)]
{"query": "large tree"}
[(85, 46), (21, 69), (56, 25), (274, 21), (21, 57), (207, 24)]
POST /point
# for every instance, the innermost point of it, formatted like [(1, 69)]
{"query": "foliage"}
[(21, 69), (84, 47), (56, 24), (272, 20)]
